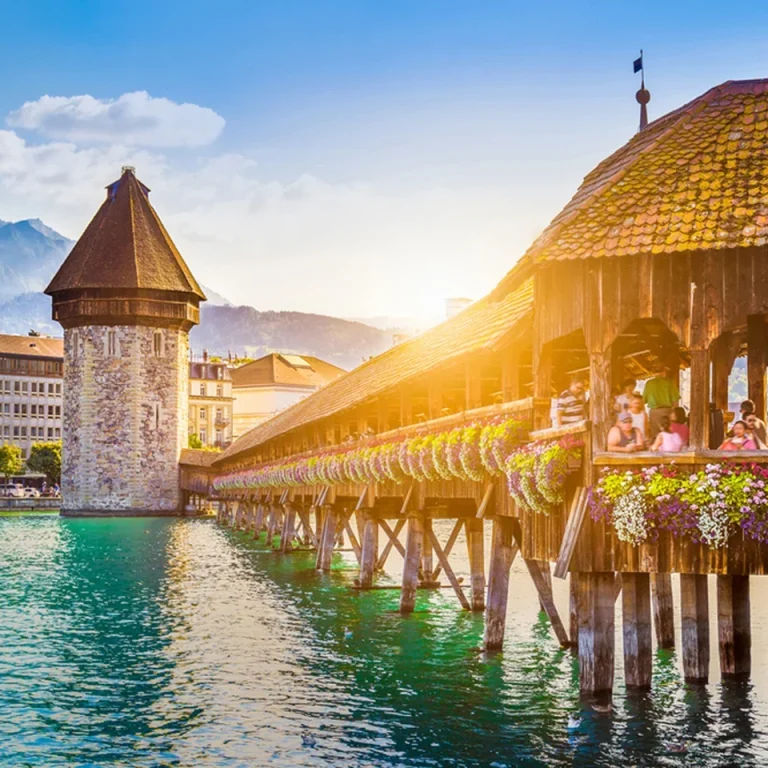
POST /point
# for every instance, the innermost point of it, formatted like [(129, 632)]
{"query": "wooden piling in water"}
[(272, 524), (426, 550), (595, 592), (370, 552), (327, 540), (259, 524), (663, 610), (734, 631), (476, 552), (694, 609), (288, 530), (503, 551), (573, 603), (412, 564), (637, 633)]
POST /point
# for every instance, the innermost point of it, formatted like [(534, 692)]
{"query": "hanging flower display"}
[(469, 454), (440, 455), (708, 505)]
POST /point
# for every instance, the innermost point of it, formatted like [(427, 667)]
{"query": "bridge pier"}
[(733, 626), (596, 593), (503, 551), (694, 608), (636, 613)]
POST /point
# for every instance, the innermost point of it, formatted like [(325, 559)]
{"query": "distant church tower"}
[(127, 301)]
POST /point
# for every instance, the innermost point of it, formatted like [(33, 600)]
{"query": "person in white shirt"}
[(624, 398)]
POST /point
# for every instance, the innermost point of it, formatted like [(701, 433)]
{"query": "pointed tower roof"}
[(125, 246)]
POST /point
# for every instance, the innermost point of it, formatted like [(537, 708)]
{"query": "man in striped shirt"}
[(571, 406)]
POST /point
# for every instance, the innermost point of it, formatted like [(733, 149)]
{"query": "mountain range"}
[(31, 252)]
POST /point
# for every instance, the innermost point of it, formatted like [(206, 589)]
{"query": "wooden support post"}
[(542, 384), (426, 551), (370, 553), (596, 631), (694, 607), (663, 610), (636, 612), (573, 609), (327, 540), (476, 552), (309, 534), (600, 398), (412, 563), (347, 526), (546, 575), (272, 524), (733, 626), (699, 415), (289, 523), (503, 551), (756, 362)]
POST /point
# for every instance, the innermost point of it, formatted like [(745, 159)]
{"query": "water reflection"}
[(174, 642)]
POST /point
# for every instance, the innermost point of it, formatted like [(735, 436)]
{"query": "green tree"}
[(195, 442), (11, 461), (45, 458)]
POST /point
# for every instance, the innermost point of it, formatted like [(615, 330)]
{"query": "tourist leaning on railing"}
[(753, 431), (639, 416), (624, 437), (757, 426), (667, 440), (740, 440), (679, 424)]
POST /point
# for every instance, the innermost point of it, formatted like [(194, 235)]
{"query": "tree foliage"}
[(195, 442), (11, 461), (45, 458)]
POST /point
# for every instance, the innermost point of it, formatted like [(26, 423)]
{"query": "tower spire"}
[(643, 96)]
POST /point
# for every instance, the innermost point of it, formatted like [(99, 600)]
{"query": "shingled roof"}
[(125, 246), (288, 370), (695, 179), (480, 326)]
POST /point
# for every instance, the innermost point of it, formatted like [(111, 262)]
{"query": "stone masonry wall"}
[(124, 419)]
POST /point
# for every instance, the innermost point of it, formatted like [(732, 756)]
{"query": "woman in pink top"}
[(679, 425), (667, 440), (740, 441)]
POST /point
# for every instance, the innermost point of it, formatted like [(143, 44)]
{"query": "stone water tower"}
[(127, 301)]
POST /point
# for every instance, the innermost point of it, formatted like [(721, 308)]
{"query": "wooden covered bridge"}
[(660, 259)]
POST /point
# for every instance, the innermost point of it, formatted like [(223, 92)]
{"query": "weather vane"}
[(643, 96)]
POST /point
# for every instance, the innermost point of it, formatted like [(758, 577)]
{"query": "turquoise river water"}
[(155, 642)]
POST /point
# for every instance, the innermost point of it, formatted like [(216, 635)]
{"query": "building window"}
[(50, 389), (57, 432), (75, 345), (7, 409), (6, 431), (157, 343), (58, 411), (33, 409), (219, 414), (17, 387), (50, 432), (34, 388), (203, 436), (219, 438), (58, 389), (33, 431), (219, 390), (203, 414), (23, 431), (16, 409), (24, 387), (15, 431), (157, 415), (50, 411), (7, 387), (111, 346), (202, 390)]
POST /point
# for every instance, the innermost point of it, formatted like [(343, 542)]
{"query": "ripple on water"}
[(176, 643)]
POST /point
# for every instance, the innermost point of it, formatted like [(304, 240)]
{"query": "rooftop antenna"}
[(643, 96)]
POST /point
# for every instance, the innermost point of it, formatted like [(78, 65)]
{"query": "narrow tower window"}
[(75, 345), (157, 416), (112, 343), (157, 344)]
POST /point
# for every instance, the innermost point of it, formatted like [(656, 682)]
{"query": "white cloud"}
[(134, 119), (340, 249)]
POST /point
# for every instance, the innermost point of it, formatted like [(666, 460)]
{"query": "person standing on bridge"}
[(571, 405), (661, 395)]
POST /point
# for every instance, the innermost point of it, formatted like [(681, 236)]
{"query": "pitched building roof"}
[(695, 179), (125, 246), (480, 326), (31, 346), (278, 369), (196, 457)]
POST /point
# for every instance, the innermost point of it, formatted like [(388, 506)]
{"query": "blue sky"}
[(350, 158)]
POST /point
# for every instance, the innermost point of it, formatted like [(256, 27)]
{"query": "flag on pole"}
[(637, 64)]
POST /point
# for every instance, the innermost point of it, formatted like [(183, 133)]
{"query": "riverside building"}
[(30, 390), (126, 301), (210, 402)]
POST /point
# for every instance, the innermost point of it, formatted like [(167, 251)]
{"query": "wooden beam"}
[(486, 500), (699, 414), (450, 575), (757, 357), (352, 538), (573, 526), (448, 547), (600, 398), (393, 541)]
